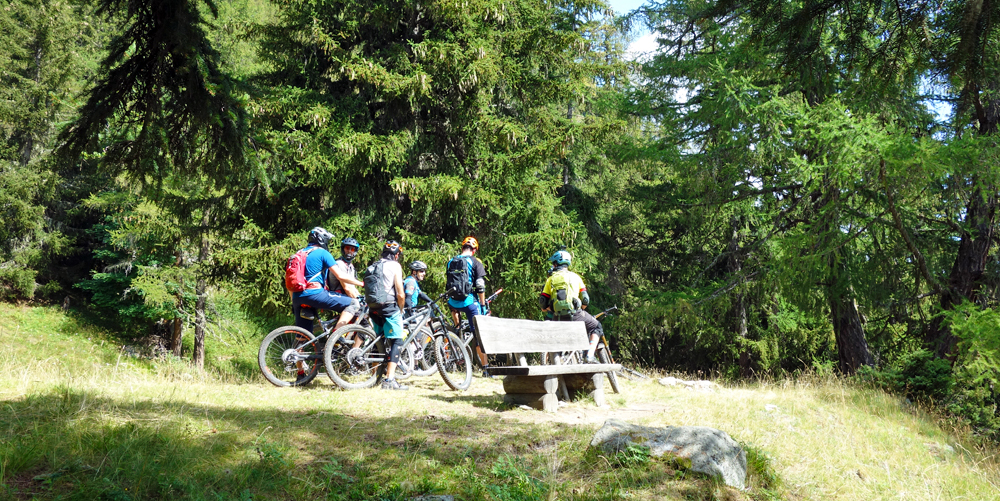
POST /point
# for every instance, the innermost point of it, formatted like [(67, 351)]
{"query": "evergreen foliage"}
[(776, 189)]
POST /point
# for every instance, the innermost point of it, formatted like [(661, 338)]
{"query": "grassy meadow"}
[(82, 418)]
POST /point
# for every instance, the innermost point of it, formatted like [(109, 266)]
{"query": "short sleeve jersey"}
[(574, 280), (411, 289), (318, 264), (390, 270), (478, 271), (345, 269)]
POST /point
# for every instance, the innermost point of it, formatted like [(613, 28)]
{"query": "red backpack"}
[(295, 271)]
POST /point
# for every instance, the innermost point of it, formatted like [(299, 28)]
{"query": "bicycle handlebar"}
[(606, 312), (494, 296)]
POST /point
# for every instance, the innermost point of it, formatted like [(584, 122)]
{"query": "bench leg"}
[(536, 391), (598, 393)]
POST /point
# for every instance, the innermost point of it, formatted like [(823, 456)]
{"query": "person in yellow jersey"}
[(565, 298)]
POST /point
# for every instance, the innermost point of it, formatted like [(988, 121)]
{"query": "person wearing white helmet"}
[(565, 298), (411, 284)]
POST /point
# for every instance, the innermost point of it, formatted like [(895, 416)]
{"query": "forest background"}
[(780, 186)]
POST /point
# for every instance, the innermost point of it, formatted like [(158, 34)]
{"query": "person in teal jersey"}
[(411, 284)]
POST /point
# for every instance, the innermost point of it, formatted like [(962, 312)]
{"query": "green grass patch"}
[(81, 418)]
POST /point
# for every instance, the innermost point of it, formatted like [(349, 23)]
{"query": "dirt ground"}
[(486, 396)]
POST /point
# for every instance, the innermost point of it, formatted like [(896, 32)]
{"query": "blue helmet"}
[(348, 256), (561, 257), (319, 236)]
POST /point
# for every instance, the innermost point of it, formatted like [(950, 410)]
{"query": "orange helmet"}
[(471, 242)]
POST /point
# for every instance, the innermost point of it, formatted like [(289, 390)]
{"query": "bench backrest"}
[(513, 335)]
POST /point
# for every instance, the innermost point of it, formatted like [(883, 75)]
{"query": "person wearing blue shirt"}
[(411, 284), (469, 305), (317, 296)]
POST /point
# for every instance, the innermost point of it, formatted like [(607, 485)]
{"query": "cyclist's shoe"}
[(301, 379), (486, 372), (392, 384), (592, 360)]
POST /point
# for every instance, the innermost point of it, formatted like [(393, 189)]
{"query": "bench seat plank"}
[(514, 335), (550, 370)]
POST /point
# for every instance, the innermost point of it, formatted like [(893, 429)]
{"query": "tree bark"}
[(976, 243), (966, 274), (200, 290), (852, 347), (848, 329)]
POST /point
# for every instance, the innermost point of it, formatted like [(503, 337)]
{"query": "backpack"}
[(458, 282), (562, 302), (295, 271), (375, 294)]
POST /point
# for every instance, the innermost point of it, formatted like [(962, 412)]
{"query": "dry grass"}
[(81, 419)]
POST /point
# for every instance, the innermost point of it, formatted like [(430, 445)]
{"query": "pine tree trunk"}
[(976, 244), (852, 347), (738, 312), (965, 278), (175, 341), (848, 329), (200, 291)]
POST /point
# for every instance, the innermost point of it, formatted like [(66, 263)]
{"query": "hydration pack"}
[(295, 271), (563, 295), (375, 293), (458, 282)]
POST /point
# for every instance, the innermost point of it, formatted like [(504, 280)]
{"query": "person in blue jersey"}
[(411, 284), (466, 283), (317, 295)]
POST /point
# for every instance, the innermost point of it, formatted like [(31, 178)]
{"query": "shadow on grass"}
[(492, 402), (67, 443)]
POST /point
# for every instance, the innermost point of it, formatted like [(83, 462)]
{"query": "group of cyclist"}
[(332, 284)]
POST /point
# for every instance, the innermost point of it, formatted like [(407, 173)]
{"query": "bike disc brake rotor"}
[(291, 356), (355, 358)]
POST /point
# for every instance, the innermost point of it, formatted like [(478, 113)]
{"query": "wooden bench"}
[(539, 385)]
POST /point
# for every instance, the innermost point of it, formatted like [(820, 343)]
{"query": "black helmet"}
[(391, 248), (349, 256), (320, 237), (418, 266)]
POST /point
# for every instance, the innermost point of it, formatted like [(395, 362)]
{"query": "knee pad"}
[(353, 308)]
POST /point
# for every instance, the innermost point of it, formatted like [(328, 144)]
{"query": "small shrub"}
[(918, 375)]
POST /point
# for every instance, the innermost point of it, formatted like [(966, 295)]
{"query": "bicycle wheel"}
[(605, 357), (424, 364), (281, 353), (454, 361), (353, 368)]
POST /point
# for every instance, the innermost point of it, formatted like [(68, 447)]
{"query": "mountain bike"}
[(421, 350), (602, 353), (362, 367), (285, 349)]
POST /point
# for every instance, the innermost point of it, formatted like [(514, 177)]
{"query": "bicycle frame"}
[(416, 322)]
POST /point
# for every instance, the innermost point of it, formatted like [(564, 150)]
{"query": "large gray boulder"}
[(710, 451)]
